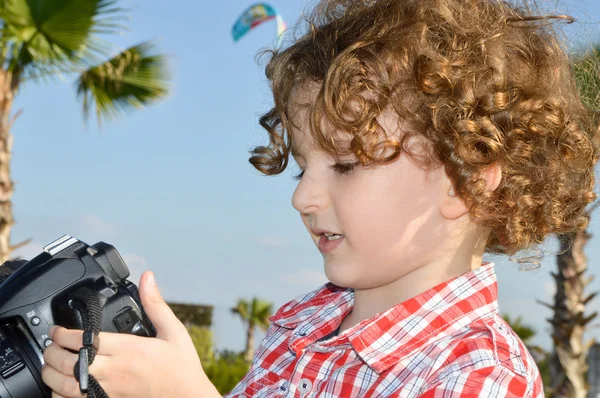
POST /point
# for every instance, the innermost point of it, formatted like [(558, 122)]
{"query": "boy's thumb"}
[(162, 317)]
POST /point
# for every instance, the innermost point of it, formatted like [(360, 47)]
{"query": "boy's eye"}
[(299, 175), (340, 168), (344, 168)]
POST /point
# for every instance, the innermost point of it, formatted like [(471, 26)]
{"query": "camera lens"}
[(20, 365)]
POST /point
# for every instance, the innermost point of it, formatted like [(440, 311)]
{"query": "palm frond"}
[(261, 311), (242, 308), (133, 78), (51, 32)]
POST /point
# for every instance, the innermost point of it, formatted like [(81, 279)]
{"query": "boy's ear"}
[(493, 176), (453, 206)]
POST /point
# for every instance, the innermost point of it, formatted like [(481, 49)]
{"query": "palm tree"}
[(45, 39), (567, 362), (253, 313), (568, 365)]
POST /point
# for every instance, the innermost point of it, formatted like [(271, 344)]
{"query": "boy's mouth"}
[(328, 242), (331, 236)]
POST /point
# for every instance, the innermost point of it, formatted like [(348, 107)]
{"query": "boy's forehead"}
[(303, 92), (301, 98), (302, 141)]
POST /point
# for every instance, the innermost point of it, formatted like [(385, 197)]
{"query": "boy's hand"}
[(133, 366)]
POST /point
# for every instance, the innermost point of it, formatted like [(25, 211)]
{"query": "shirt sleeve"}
[(489, 382)]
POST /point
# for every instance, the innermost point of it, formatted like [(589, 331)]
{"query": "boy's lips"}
[(324, 243), (320, 231), (326, 246)]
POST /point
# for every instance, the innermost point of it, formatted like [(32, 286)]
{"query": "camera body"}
[(38, 295)]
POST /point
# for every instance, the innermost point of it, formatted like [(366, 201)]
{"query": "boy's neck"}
[(370, 302)]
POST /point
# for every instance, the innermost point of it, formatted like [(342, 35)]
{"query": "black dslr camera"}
[(53, 288)]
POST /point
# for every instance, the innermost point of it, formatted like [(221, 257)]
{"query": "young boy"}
[(427, 133)]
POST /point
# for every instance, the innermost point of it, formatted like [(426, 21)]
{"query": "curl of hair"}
[(483, 81)]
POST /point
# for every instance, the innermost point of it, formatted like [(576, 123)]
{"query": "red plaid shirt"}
[(446, 342)]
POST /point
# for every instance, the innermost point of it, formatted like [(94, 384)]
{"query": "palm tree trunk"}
[(249, 352), (8, 89), (568, 360), (9, 86)]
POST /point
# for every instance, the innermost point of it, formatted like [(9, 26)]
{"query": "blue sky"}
[(171, 188)]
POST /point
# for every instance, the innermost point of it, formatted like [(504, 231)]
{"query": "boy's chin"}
[(343, 276)]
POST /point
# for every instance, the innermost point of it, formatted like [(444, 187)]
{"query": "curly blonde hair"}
[(483, 81)]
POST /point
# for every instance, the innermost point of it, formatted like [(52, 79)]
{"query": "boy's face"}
[(387, 215)]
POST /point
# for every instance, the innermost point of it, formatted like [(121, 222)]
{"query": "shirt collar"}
[(323, 300), (405, 328)]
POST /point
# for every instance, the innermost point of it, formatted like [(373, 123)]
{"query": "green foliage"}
[(226, 370), (544, 367), (254, 313), (129, 80), (526, 333), (44, 39), (193, 314), (44, 32), (587, 74), (202, 338)]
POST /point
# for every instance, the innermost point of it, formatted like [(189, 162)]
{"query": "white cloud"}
[(305, 277), (137, 265), (273, 241), (96, 226), (135, 260)]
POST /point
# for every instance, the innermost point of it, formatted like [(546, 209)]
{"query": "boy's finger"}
[(73, 340), (64, 361), (167, 326), (65, 386)]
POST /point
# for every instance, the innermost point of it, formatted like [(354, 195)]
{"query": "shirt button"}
[(304, 387)]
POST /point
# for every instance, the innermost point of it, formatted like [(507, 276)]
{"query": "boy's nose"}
[(310, 195)]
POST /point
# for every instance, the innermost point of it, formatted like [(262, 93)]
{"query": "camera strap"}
[(87, 302)]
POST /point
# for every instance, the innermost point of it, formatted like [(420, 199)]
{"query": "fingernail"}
[(52, 330)]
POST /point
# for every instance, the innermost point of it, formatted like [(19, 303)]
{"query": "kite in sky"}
[(254, 16)]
